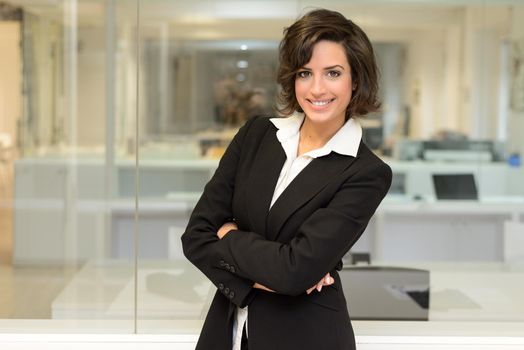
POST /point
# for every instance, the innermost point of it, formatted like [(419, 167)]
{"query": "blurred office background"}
[(113, 115)]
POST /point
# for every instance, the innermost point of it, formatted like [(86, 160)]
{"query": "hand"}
[(259, 286), (224, 229), (327, 280)]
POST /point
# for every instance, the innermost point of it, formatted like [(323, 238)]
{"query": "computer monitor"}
[(373, 137), (398, 183), (455, 186)]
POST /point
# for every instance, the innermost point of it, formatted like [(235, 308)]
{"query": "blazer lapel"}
[(263, 179), (311, 180)]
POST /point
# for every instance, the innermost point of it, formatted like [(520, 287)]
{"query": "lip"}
[(320, 104)]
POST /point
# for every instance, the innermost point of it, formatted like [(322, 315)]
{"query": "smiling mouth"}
[(320, 103)]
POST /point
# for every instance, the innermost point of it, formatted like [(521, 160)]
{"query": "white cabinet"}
[(53, 223)]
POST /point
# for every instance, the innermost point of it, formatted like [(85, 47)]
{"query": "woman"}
[(290, 197)]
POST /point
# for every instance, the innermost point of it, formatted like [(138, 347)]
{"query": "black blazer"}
[(289, 248)]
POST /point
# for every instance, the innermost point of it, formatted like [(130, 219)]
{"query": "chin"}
[(317, 117)]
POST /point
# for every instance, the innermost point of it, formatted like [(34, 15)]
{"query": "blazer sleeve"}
[(213, 209), (323, 239)]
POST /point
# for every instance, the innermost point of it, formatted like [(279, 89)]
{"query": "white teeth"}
[(320, 103)]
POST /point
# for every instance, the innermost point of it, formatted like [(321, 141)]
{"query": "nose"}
[(318, 87)]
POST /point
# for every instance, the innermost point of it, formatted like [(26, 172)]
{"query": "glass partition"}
[(120, 111), (200, 82), (70, 140), (446, 128)]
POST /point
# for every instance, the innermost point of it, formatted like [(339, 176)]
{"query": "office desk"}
[(68, 202), (174, 290), (472, 306), (401, 229), (406, 229), (101, 289), (470, 291)]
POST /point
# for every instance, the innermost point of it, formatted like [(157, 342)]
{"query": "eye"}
[(303, 74), (333, 73)]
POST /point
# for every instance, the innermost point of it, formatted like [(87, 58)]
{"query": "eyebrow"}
[(335, 66), (326, 68)]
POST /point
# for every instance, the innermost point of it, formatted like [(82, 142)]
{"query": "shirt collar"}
[(288, 126), (345, 141)]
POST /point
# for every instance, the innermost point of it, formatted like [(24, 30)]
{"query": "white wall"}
[(10, 77), (43, 61), (516, 117), (91, 87), (484, 31)]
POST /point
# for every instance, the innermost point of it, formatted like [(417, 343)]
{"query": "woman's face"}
[(323, 86)]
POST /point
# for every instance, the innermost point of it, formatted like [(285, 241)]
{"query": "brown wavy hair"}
[(296, 49)]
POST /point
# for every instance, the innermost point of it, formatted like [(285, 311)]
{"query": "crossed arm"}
[(200, 241), (320, 242), (327, 280)]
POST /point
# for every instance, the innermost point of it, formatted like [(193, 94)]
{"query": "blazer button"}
[(222, 263), (226, 290), (231, 295), (232, 269), (227, 266), (221, 286)]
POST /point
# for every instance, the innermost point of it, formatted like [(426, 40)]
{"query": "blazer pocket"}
[(328, 297)]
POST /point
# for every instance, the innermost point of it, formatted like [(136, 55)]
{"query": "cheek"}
[(346, 90), (300, 92), (299, 89)]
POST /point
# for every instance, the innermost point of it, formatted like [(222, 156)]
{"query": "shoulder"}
[(370, 162), (256, 127), (368, 156), (260, 122), (254, 130)]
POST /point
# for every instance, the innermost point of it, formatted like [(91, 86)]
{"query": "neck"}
[(316, 135)]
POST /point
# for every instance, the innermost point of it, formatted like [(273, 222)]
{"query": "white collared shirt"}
[(345, 141)]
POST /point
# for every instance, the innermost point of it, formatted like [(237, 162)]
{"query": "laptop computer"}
[(455, 186)]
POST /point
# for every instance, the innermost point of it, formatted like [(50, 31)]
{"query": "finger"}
[(317, 286)]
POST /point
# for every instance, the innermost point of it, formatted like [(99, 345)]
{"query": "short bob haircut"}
[(296, 49)]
